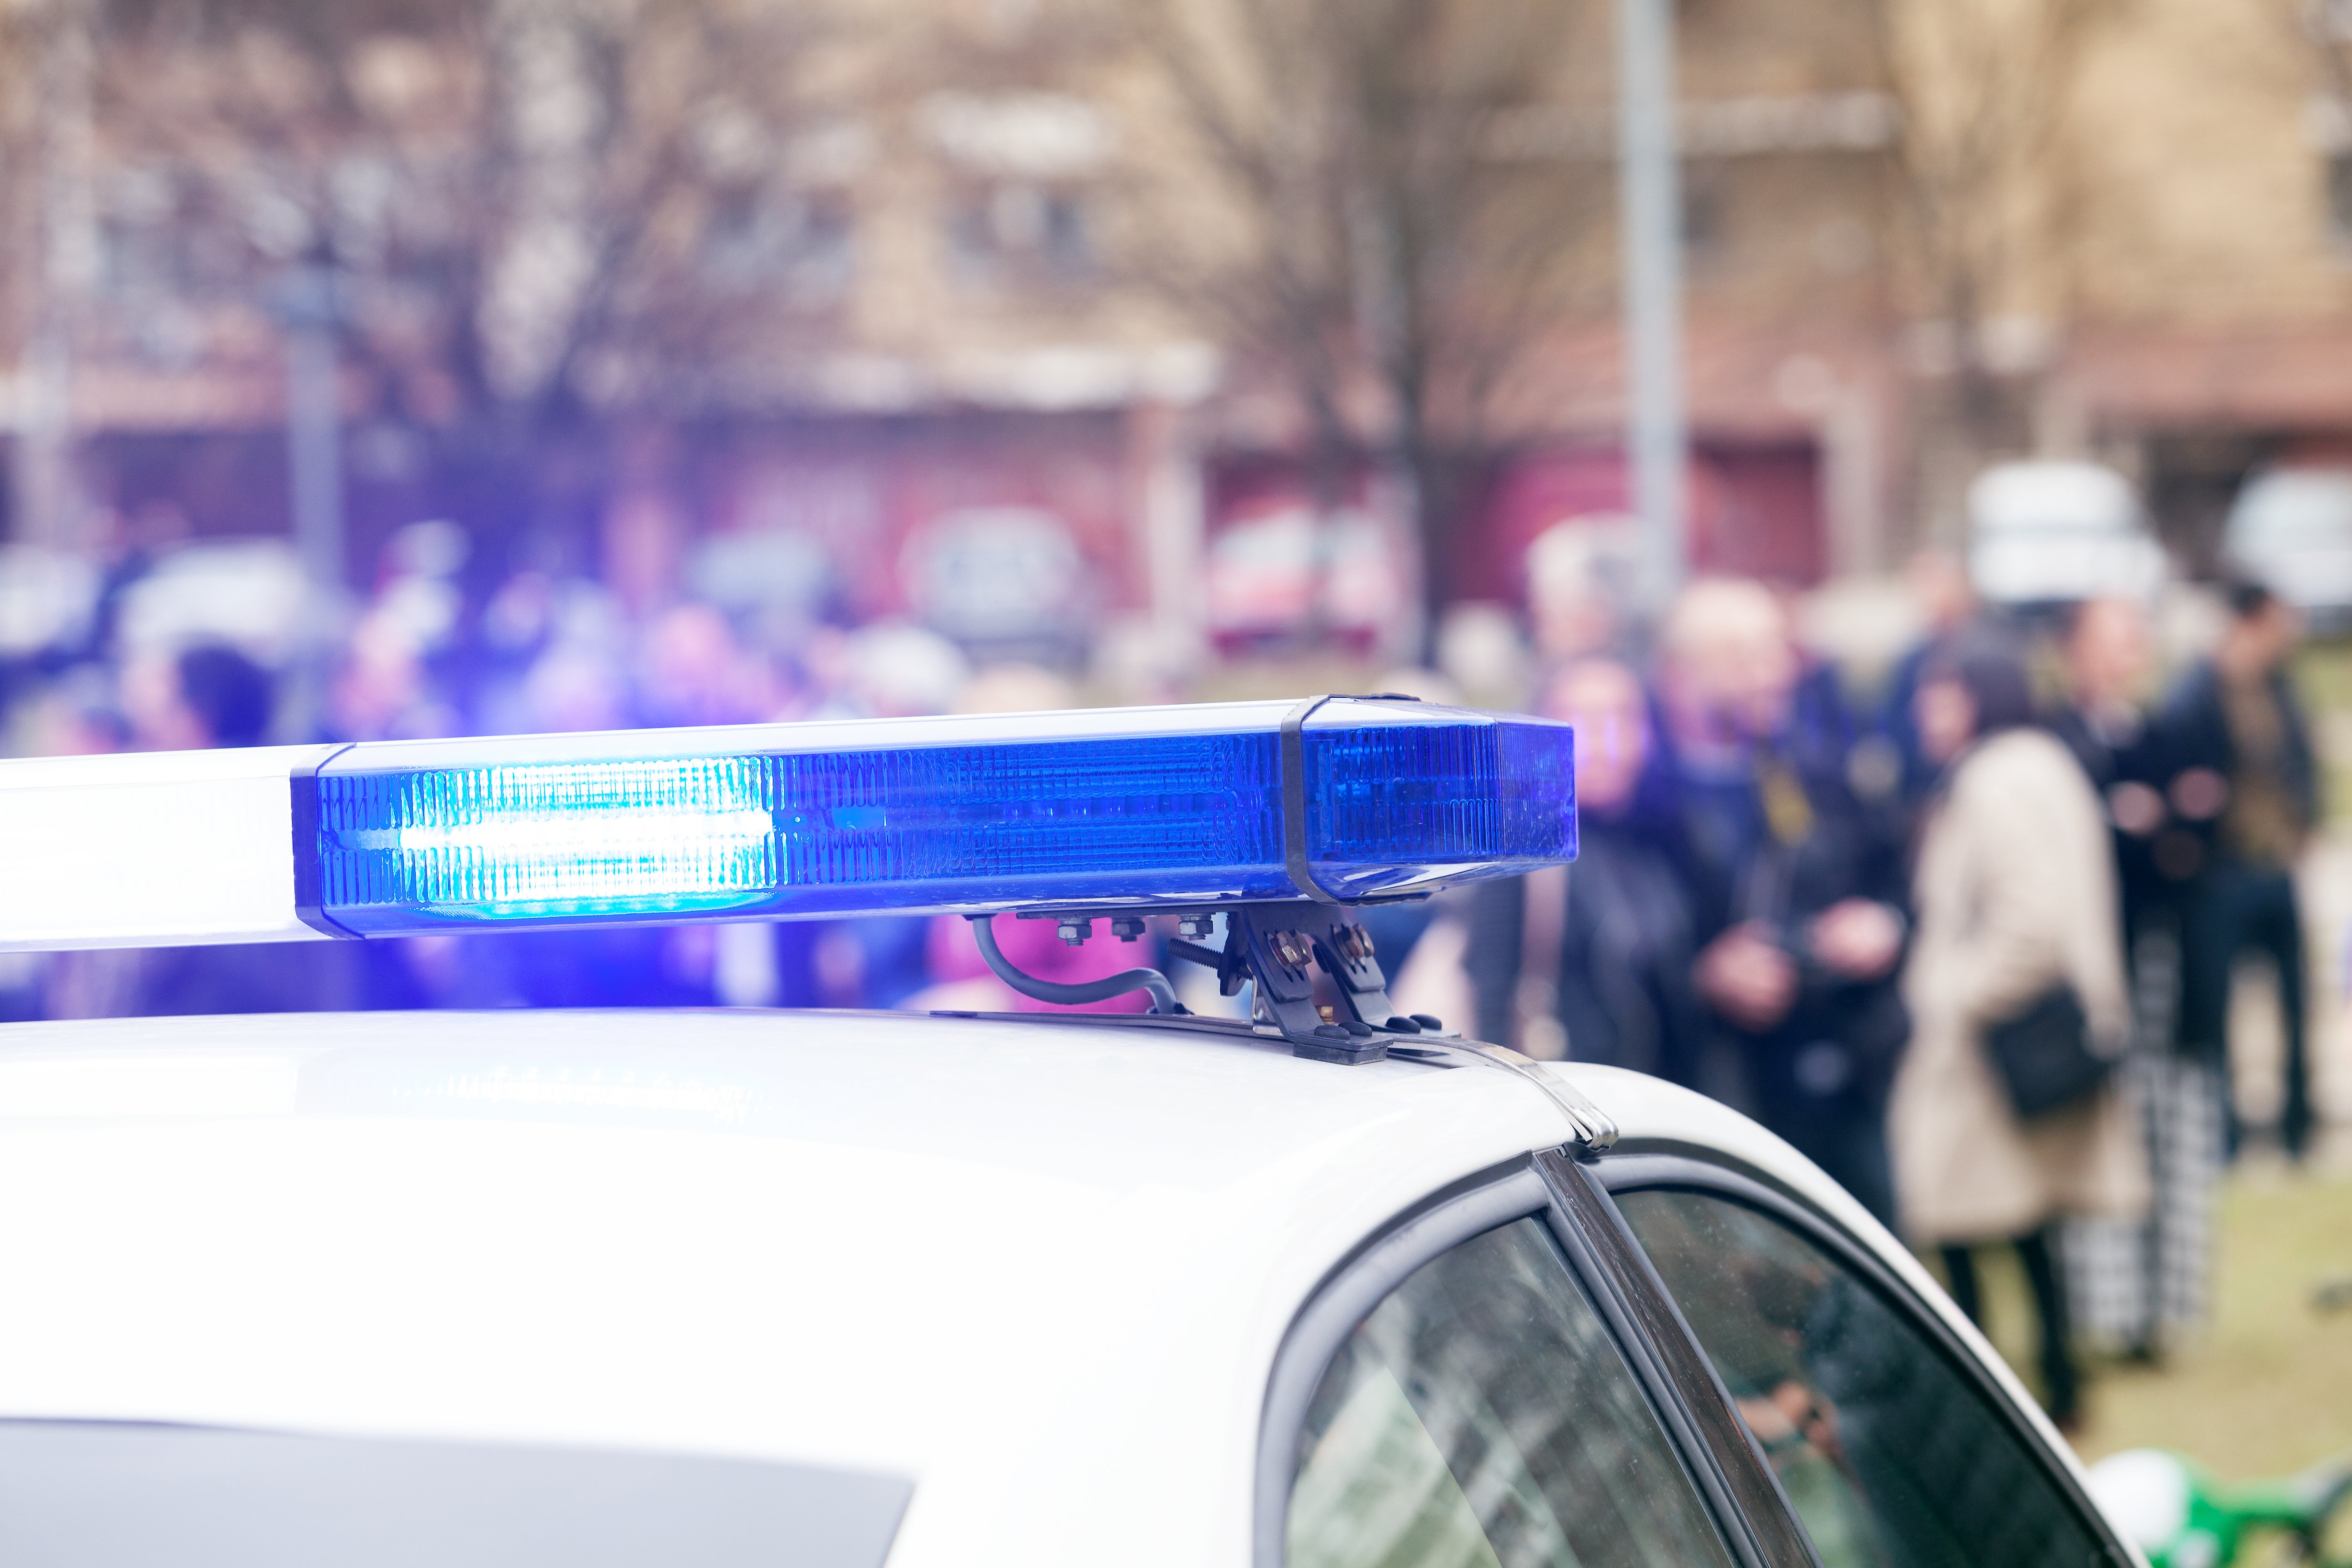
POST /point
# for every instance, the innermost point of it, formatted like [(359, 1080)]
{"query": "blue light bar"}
[(1122, 808)]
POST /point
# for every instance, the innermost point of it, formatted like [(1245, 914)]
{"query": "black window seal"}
[(1704, 1422), (1665, 1166), (1348, 1294)]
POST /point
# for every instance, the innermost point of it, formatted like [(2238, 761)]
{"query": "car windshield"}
[(76, 1494)]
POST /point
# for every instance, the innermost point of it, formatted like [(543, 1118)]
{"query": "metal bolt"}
[(1196, 927), (1291, 948), (1127, 927), (1075, 931), (1355, 943)]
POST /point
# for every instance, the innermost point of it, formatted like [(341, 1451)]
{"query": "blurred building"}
[(962, 296)]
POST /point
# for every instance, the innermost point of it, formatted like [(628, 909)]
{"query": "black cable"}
[(1164, 995)]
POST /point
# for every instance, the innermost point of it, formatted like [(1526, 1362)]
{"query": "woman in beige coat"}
[(2015, 892)]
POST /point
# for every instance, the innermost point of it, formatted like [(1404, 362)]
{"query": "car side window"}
[(1482, 1417), (1891, 1455)]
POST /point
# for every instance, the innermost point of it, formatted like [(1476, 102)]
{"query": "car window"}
[(1482, 1417), (1891, 1457)]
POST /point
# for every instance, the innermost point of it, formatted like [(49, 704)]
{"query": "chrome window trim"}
[(1661, 1165), (1732, 1472)]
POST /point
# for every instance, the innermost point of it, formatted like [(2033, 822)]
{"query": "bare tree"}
[(1984, 90), (546, 214), (46, 65), (1367, 243), (2316, 36)]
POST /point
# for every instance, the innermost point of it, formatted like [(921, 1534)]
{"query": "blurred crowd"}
[(429, 653), (1843, 906), (1968, 943)]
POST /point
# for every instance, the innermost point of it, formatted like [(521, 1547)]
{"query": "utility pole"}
[(60, 254), (1657, 437), (310, 308)]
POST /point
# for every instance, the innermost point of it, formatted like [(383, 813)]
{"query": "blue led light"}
[(553, 838), (1114, 808)]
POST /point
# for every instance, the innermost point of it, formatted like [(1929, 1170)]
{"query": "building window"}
[(762, 240), (2339, 198), (1704, 215), (1018, 233)]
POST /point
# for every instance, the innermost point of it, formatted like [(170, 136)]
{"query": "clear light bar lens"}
[(1184, 811), (553, 838)]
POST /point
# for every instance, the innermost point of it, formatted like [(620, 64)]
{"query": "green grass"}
[(2267, 1388), (2323, 678)]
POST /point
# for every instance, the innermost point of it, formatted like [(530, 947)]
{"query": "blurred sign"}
[(2292, 528), (249, 592), (773, 570), (46, 598), (1286, 570), (2048, 532), (998, 574)]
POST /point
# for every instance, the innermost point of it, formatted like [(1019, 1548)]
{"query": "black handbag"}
[(2044, 1055)]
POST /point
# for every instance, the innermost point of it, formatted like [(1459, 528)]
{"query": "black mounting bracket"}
[(1280, 946)]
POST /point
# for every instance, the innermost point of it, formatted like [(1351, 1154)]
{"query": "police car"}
[(1324, 1285)]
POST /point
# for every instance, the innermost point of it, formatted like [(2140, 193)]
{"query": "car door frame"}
[(1647, 1165), (1734, 1481)]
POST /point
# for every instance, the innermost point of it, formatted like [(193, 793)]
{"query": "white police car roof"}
[(1038, 1271), (1039, 1268)]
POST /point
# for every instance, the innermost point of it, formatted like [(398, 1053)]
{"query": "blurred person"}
[(382, 691), (531, 614), (203, 697), (693, 670), (74, 715), (2015, 890), (574, 687), (894, 670), (1481, 651), (418, 589), (2247, 770), (1796, 889), (129, 548), (2137, 1283), (644, 550), (1821, 726), (2107, 655), (1593, 961), (1579, 574), (1946, 599), (206, 696)]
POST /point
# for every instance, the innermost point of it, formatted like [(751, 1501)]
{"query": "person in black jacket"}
[(2127, 757), (1592, 961), (2248, 775), (1797, 889), (2141, 1284)]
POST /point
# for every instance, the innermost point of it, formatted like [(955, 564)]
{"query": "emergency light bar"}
[(1335, 800)]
